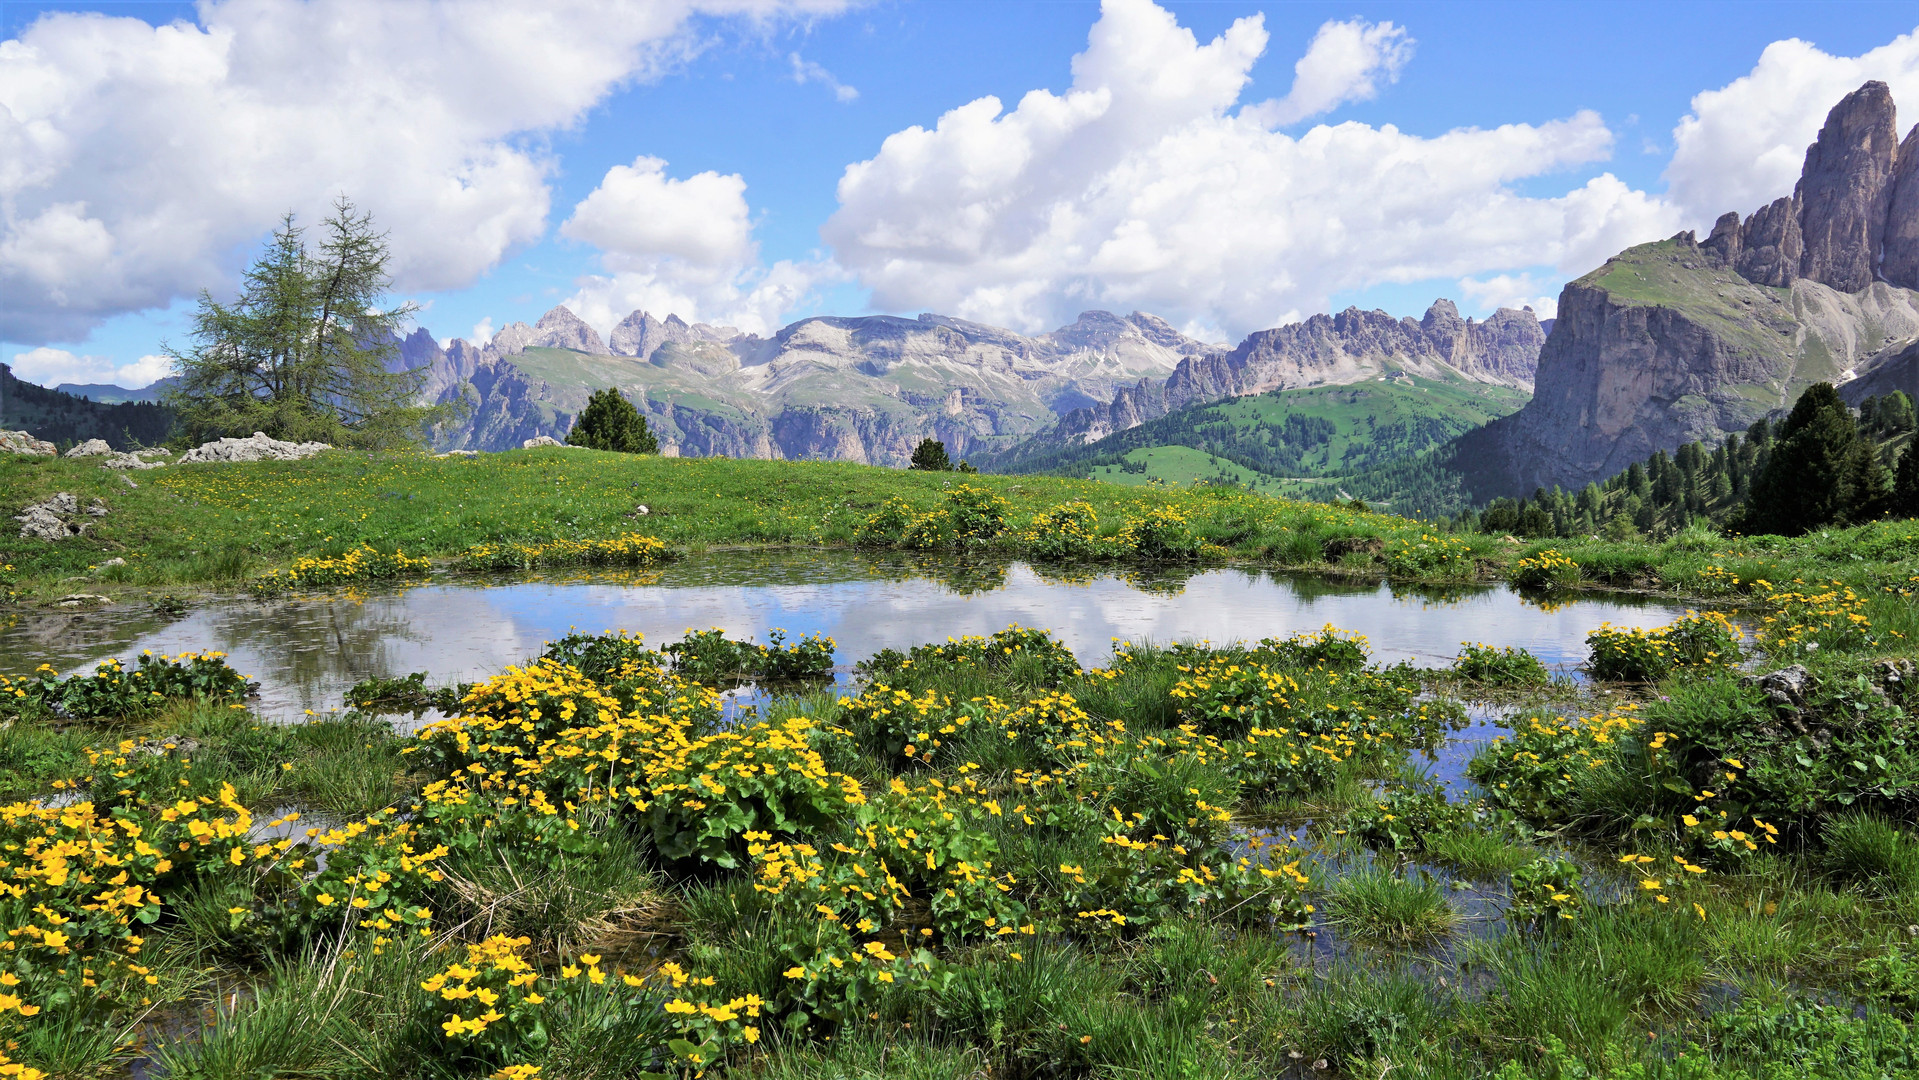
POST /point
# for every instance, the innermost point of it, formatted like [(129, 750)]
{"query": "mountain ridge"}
[(1350, 347)]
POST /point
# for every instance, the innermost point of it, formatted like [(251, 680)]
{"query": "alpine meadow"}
[(808, 541)]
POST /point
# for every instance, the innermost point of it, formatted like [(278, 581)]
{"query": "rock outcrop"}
[(58, 518), (134, 459), (19, 442), (257, 447), (1680, 340)]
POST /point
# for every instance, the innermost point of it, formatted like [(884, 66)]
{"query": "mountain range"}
[(862, 389), (1351, 347)]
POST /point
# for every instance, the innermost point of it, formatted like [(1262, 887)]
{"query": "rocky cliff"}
[(857, 389), (1352, 346), (1682, 340)]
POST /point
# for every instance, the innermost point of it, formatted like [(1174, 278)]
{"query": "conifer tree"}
[(306, 351), (1820, 472), (1905, 484), (930, 455), (610, 422)]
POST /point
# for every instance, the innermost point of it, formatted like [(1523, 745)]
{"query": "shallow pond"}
[(307, 650)]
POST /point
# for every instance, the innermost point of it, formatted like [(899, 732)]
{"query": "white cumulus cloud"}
[(680, 247), (1509, 291), (1743, 144), (50, 367), (1345, 62), (136, 160), (1142, 187)]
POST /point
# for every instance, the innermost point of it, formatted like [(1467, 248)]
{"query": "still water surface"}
[(307, 650)]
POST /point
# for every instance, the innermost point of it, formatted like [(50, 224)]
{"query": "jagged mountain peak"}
[(1853, 217), (559, 328), (1442, 317), (1102, 331), (1681, 340)]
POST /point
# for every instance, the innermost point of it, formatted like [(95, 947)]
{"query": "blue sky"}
[(110, 234)]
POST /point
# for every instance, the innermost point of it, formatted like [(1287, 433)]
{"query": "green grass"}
[(1375, 906), (1177, 465), (1265, 440), (1482, 855), (1870, 852)]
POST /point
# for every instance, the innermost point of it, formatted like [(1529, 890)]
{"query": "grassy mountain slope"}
[(1284, 435), (1179, 465), (1665, 345)]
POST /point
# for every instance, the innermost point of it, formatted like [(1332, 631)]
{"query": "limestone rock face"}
[(1666, 344), (1845, 188), (641, 335), (512, 338), (1852, 219), (1771, 247), (1899, 251), (90, 448), (637, 335), (1677, 341)]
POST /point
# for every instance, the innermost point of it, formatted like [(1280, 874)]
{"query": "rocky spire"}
[(1852, 219), (1845, 188), (637, 335)]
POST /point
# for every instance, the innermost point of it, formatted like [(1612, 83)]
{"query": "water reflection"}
[(306, 650)]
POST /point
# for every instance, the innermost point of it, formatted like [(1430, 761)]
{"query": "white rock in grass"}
[(259, 447), (19, 442)]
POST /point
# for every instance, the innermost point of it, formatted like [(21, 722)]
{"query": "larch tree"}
[(308, 350)]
